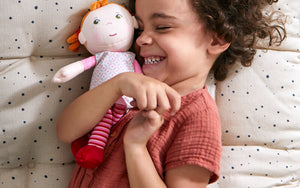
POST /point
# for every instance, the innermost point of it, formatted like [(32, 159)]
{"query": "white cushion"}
[(33, 47), (260, 113), (259, 106)]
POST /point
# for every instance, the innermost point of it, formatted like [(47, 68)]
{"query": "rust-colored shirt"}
[(192, 136)]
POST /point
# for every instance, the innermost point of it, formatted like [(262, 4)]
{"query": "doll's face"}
[(109, 28)]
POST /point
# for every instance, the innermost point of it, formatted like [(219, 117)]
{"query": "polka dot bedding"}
[(259, 106), (33, 47)]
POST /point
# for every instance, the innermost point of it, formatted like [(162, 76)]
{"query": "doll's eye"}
[(119, 16), (96, 21)]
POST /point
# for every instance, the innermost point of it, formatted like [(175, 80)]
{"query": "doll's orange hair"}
[(73, 39)]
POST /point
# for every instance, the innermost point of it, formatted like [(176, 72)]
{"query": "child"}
[(173, 137)]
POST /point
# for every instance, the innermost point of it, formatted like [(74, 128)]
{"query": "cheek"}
[(171, 48), (97, 37), (125, 30), (95, 34)]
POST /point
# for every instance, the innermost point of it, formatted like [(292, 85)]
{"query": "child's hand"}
[(149, 94), (152, 98), (68, 72), (142, 127)]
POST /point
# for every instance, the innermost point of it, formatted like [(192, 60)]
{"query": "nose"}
[(144, 39)]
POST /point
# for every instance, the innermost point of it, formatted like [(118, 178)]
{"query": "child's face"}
[(172, 42)]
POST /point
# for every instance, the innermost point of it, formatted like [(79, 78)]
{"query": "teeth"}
[(152, 60)]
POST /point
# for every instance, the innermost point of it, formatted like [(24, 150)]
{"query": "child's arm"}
[(70, 71), (188, 176), (141, 170), (87, 110)]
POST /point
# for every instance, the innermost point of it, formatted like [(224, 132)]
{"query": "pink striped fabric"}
[(101, 132)]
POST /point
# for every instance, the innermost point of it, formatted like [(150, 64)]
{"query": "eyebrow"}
[(162, 15), (158, 15)]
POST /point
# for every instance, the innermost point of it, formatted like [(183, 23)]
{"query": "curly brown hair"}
[(241, 23)]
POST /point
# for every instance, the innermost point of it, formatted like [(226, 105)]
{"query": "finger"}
[(153, 118), (150, 114), (163, 103), (151, 99), (141, 99), (174, 99)]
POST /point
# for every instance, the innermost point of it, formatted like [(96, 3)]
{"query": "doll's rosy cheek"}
[(96, 37)]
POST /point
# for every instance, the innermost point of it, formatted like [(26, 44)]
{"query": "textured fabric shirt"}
[(191, 137)]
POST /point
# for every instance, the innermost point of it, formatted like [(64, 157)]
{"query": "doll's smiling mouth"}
[(111, 35)]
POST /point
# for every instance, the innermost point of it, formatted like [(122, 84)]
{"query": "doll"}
[(107, 33)]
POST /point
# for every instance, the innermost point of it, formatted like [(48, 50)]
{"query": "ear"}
[(218, 45), (135, 24), (81, 38)]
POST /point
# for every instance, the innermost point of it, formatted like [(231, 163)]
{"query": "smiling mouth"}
[(111, 35), (152, 60)]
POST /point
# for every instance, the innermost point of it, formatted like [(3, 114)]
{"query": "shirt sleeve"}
[(89, 62), (197, 142)]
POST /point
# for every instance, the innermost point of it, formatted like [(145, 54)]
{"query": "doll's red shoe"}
[(89, 156), (78, 144)]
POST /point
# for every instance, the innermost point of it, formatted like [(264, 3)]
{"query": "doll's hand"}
[(149, 93), (68, 72), (141, 128)]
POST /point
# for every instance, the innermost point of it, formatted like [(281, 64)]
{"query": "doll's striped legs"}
[(91, 155), (101, 132)]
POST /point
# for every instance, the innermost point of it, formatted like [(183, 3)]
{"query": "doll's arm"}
[(68, 72), (72, 70)]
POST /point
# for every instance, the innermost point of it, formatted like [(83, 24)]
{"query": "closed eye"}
[(162, 28)]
